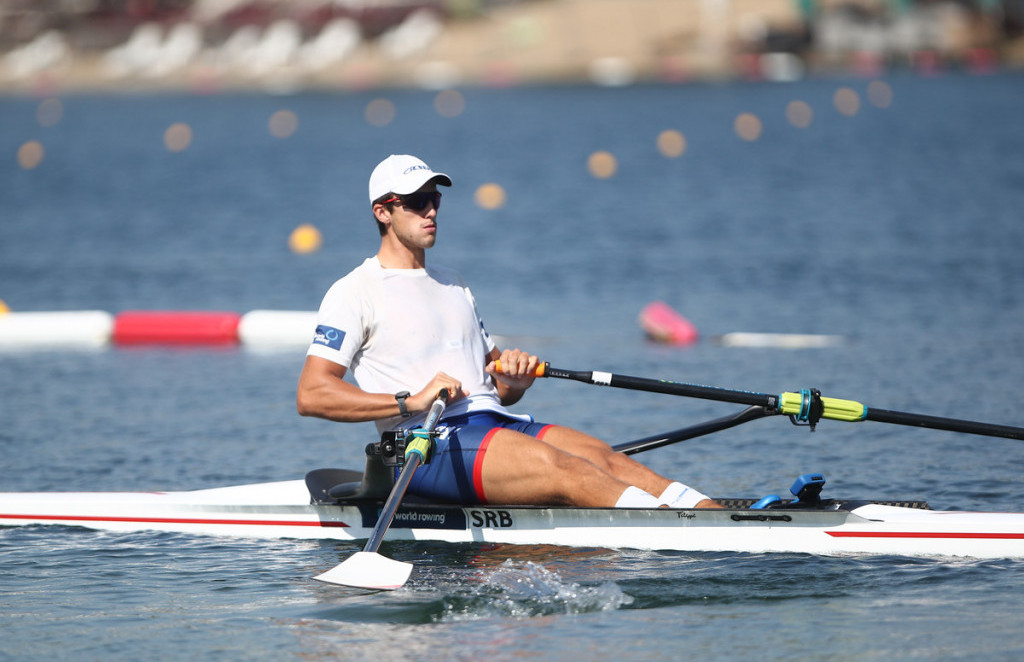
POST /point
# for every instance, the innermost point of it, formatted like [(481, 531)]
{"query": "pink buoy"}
[(175, 328), (663, 324)]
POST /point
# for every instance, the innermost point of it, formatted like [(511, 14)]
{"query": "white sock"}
[(634, 497), (689, 498), (672, 492)]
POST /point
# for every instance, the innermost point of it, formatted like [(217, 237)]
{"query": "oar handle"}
[(539, 371)]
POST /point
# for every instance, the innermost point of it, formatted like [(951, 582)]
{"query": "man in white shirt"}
[(407, 330)]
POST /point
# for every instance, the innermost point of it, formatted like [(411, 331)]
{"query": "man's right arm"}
[(324, 393)]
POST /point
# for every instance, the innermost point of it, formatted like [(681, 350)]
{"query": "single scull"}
[(286, 510)]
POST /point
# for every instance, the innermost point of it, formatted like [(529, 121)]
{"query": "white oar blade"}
[(368, 570)]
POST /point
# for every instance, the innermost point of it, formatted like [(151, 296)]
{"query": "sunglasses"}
[(417, 201)]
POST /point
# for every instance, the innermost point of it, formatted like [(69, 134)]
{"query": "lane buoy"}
[(75, 329), (277, 328), (175, 328), (779, 340), (663, 324)]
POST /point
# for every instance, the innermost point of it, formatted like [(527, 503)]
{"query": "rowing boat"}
[(349, 505), (288, 509)]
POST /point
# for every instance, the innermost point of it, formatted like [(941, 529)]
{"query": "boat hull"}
[(283, 510)]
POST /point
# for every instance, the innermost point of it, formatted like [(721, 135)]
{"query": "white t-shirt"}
[(394, 329)]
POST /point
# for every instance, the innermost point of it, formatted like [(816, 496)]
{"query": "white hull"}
[(283, 510)]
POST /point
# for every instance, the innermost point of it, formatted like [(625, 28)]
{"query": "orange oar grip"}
[(539, 371)]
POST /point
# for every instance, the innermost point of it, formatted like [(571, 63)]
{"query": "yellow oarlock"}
[(792, 404), (419, 442)]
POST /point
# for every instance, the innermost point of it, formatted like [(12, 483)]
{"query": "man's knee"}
[(567, 465), (559, 468)]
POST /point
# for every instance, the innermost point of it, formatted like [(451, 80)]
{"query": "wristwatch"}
[(400, 397)]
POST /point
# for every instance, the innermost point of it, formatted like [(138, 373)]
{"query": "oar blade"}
[(368, 570)]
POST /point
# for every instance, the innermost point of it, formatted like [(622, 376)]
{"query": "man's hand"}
[(518, 369), (421, 401)]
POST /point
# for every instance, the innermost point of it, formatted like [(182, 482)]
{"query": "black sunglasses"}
[(416, 201)]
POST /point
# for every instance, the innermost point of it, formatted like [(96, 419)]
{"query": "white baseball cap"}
[(401, 173)]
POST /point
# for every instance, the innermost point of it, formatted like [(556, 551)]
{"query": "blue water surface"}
[(898, 228)]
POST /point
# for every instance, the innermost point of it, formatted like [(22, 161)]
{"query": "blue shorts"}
[(454, 473)]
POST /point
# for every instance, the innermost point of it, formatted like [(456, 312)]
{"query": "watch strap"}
[(400, 398)]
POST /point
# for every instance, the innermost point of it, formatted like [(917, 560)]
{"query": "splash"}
[(527, 589)]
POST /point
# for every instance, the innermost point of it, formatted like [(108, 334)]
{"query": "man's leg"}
[(619, 465), (601, 454), (519, 469)]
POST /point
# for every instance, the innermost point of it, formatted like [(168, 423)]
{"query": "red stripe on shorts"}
[(544, 431), (478, 465)]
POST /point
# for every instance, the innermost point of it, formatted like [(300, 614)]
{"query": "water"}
[(898, 228)]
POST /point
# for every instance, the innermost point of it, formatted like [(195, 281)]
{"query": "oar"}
[(369, 569), (807, 406)]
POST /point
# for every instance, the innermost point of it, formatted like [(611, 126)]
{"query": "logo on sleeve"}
[(328, 336)]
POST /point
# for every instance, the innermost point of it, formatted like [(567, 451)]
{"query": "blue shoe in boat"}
[(807, 488), (766, 502)]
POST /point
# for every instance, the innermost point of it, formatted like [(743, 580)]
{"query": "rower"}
[(396, 329)]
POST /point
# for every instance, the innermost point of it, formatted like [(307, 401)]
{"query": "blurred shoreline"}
[(211, 46)]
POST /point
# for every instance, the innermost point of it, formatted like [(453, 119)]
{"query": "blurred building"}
[(294, 44)]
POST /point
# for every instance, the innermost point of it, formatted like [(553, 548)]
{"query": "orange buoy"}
[(663, 324), (305, 239), (175, 328)]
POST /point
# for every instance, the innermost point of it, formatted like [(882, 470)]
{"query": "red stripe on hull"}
[(174, 520), (916, 534)]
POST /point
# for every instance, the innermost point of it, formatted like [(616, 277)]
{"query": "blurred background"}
[(278, 45)]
